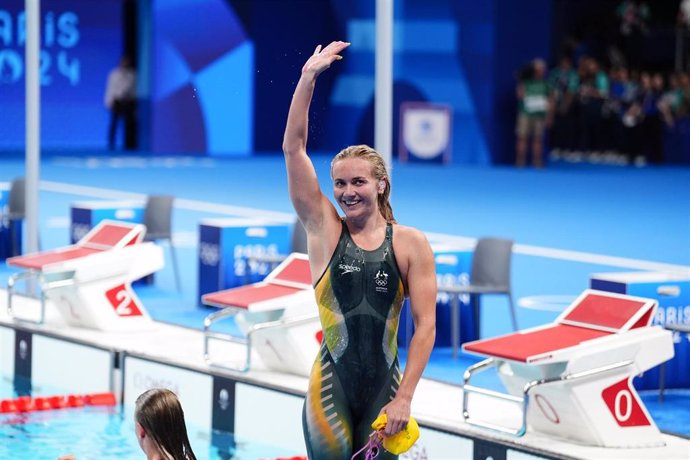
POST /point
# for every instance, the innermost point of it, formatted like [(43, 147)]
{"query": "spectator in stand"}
[(633, 119), (670, 101), (622, 94), (593, 90), (653, 124), (683, 108), (633, 16), (563, 82), (534, 113)]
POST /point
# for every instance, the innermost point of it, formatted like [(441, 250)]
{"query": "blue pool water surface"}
[(104, 433)]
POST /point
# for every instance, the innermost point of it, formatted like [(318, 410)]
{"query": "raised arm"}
[(421, 288), (310, 204)]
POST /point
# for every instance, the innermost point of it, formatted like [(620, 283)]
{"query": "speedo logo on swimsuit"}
[(348, 268)]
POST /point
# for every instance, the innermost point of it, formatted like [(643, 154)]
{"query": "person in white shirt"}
[(120, 99)]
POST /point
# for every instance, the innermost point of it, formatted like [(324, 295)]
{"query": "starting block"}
[(90, 282), (278, 316), (573, 378)]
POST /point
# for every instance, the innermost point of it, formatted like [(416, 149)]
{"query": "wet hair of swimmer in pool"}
[(160, 426)]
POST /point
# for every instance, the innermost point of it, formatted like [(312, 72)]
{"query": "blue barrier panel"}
[(227, 246), (86, 214), (677, 142), (7, 227), (452, 268)]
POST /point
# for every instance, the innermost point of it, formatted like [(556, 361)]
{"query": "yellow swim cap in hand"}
[(401, 441)]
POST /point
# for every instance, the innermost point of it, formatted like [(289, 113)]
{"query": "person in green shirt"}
[(534, 114)]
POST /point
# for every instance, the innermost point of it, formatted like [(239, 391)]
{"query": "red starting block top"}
[(110, 234), (106, 235), (40, 260), (592, 315), (611, 313), (295, 270), (243, 297), (530, 346)]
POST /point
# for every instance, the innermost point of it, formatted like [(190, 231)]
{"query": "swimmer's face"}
[(354, 187)]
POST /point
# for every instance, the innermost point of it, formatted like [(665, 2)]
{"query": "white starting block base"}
[(90, 282), (437, 406), (278, 316), (27, 310), (573, 378), (276, 346)]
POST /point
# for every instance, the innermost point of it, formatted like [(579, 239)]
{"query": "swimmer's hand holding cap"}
[(401, 441)]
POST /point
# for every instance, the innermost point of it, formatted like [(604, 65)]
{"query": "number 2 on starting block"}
[(123, 301)]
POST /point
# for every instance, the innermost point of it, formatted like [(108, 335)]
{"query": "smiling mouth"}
[(350, 203)]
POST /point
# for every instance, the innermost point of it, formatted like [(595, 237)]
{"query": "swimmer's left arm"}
[(421, 287)]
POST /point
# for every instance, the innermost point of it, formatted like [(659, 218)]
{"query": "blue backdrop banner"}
[(80, 43)]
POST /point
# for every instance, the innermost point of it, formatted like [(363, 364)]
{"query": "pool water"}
[(104, 433), (90, 432)]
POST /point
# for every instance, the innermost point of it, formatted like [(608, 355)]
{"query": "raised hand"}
[(323, 58)]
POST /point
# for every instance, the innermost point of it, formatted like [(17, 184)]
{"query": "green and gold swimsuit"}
[(356, 372)]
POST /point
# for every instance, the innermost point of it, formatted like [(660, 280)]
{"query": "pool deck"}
[(437, 406)]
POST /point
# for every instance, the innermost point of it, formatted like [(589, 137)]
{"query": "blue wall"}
[(464, 54), (81, 43), (523, 32), (218, 75), (201, 79)]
